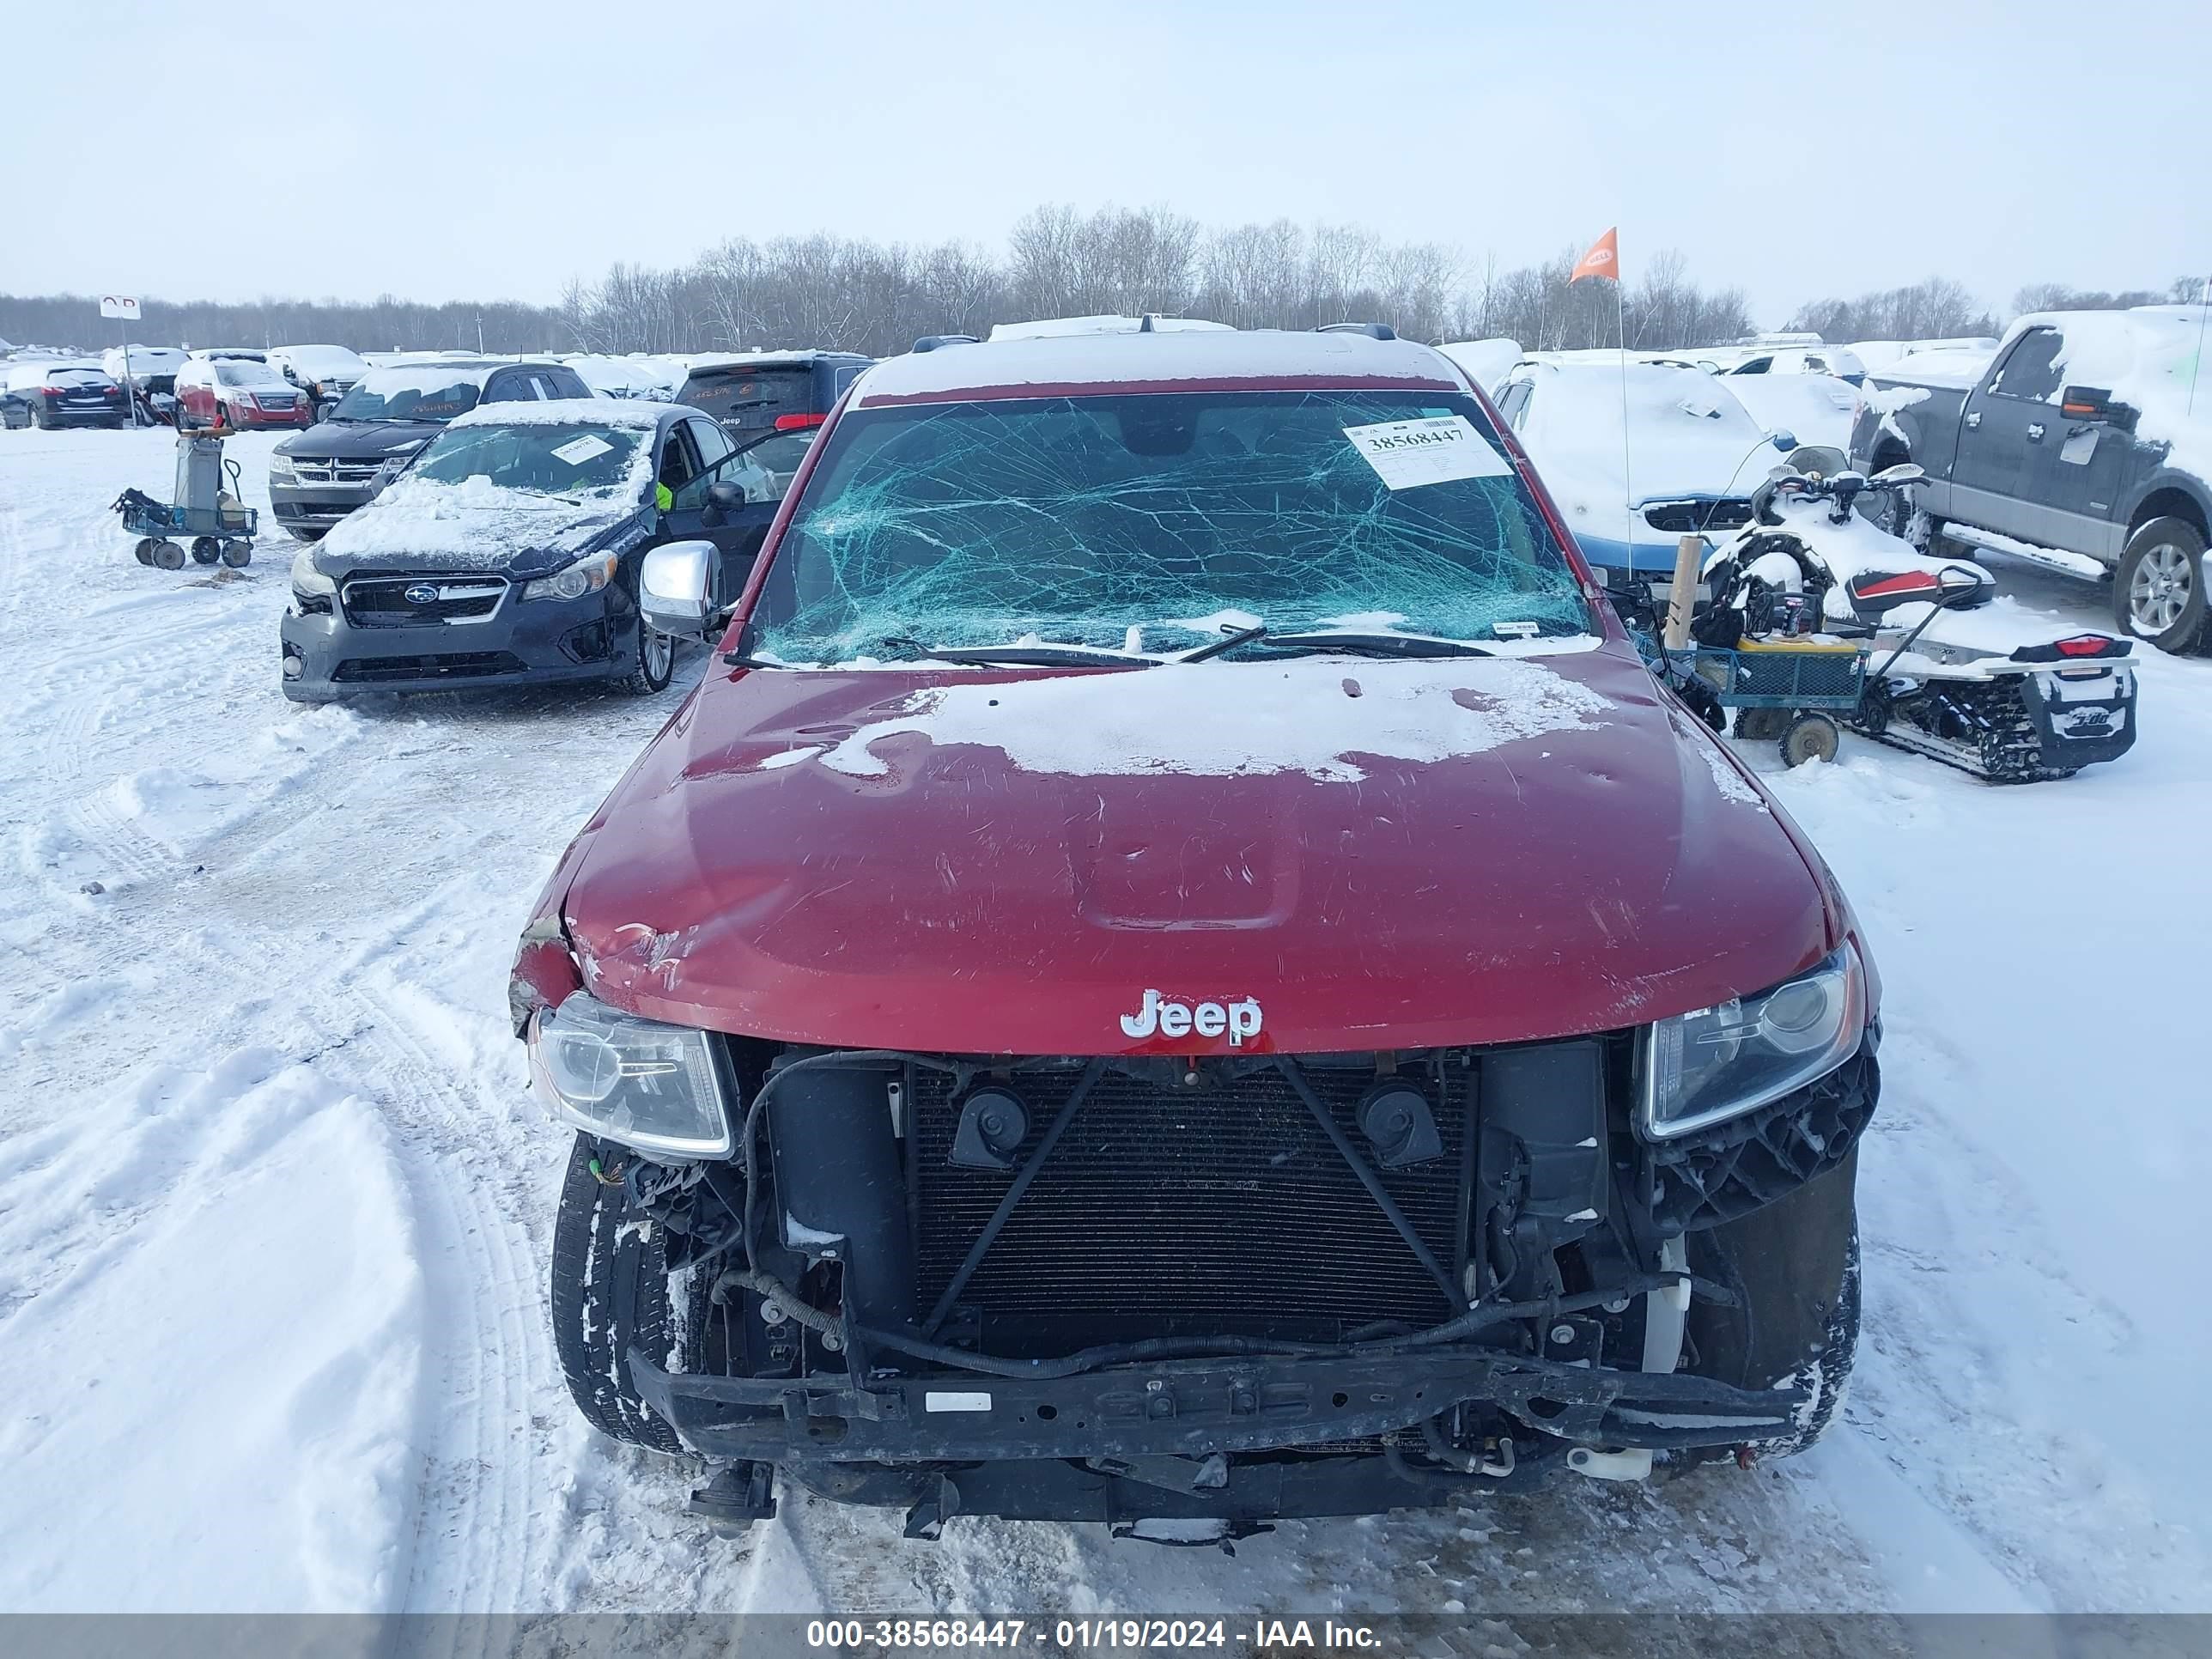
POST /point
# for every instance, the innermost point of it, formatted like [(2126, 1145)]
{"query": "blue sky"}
[(491, 149)]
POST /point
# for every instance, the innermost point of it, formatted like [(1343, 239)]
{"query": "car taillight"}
[(797, 422)]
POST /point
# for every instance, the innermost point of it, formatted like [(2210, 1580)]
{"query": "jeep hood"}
[(1378, 853)]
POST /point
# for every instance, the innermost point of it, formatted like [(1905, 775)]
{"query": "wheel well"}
[(2170, 503), (1889, 453)]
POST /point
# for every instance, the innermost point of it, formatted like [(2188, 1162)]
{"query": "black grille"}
[(412, 601), (1690, 518), (450, 666), (1166, 1211)]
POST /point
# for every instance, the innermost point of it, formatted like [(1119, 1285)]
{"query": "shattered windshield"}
[(550, 460), (1148, 522)]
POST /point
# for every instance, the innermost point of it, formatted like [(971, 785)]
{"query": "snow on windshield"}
[(1079, 520), (543, 458), (423, 392)]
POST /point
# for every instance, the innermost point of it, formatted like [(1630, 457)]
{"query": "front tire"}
[(1793, 1266), (611, 1292), (2158, 591), (653, 661)]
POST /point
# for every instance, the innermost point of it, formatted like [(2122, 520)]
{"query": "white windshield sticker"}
[(1406, 454), (577, 451)]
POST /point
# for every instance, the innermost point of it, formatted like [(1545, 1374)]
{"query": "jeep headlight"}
[(1716, 1063), (636, 1081), (586, 575), (307, 582)]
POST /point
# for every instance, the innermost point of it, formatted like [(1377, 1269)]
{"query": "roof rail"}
[(932, 341), (1372, 330)]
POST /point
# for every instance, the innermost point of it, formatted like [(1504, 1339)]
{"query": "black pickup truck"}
[(2082, 445)]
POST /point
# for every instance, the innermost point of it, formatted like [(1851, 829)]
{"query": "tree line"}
[(861, 294)]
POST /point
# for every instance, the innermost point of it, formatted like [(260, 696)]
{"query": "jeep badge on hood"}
[(1239, 1019)]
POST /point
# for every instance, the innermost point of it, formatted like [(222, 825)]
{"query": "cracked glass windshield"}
[(1078, 521)]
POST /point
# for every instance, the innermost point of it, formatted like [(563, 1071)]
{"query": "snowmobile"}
[(1812, 559)]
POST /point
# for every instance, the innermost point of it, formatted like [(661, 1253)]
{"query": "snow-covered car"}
[(1818, 408), (1840, 362), (153, 368), (52, 394), (357, 447), (508, 553), (1179, 965), (237, 392), (655, 379), (325, 373), (1687, 459)]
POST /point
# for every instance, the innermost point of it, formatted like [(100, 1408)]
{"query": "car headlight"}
[(648, 1085), (1717, 1063), (586, 575), (281, 469), (307, 582)]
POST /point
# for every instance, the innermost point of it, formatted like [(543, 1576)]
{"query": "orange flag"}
[(1603, 259)]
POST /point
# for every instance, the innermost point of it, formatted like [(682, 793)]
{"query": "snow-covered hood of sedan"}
[(475, 525)]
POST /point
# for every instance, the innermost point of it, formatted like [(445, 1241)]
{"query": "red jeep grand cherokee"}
[(1179, 965)]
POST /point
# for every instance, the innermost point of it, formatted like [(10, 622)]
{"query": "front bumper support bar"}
[(1196, 1408)]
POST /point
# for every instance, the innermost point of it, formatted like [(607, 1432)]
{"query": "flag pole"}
[(1628, 490)]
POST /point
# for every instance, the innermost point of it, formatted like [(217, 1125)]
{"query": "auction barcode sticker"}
[(577, 451), (1435, 450)]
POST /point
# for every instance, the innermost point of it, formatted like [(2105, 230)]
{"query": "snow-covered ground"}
[(275, 1202)]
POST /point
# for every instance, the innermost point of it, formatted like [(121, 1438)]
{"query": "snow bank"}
[(210, 1326), (1223, 720)]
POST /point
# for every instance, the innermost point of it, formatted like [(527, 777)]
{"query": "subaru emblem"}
[(420, 593)]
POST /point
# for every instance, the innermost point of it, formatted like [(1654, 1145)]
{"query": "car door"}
[(735, 532), (2003, 431), (2082, 468)]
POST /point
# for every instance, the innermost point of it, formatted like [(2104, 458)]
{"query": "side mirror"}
[(1904, 473), (1785, 440), (675, 587), (727, 497), (2090, 403)]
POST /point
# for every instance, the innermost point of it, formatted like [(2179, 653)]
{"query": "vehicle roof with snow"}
[(574, 411), (1102, 362), (1050, 328)]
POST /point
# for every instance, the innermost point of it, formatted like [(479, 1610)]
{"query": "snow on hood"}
[(1687, 436), (1315, 716), (1817, 408), (2148, 358), (473, 526)]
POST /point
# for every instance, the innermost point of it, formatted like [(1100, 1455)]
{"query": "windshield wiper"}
[(1024, 656), (1355, 643)]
